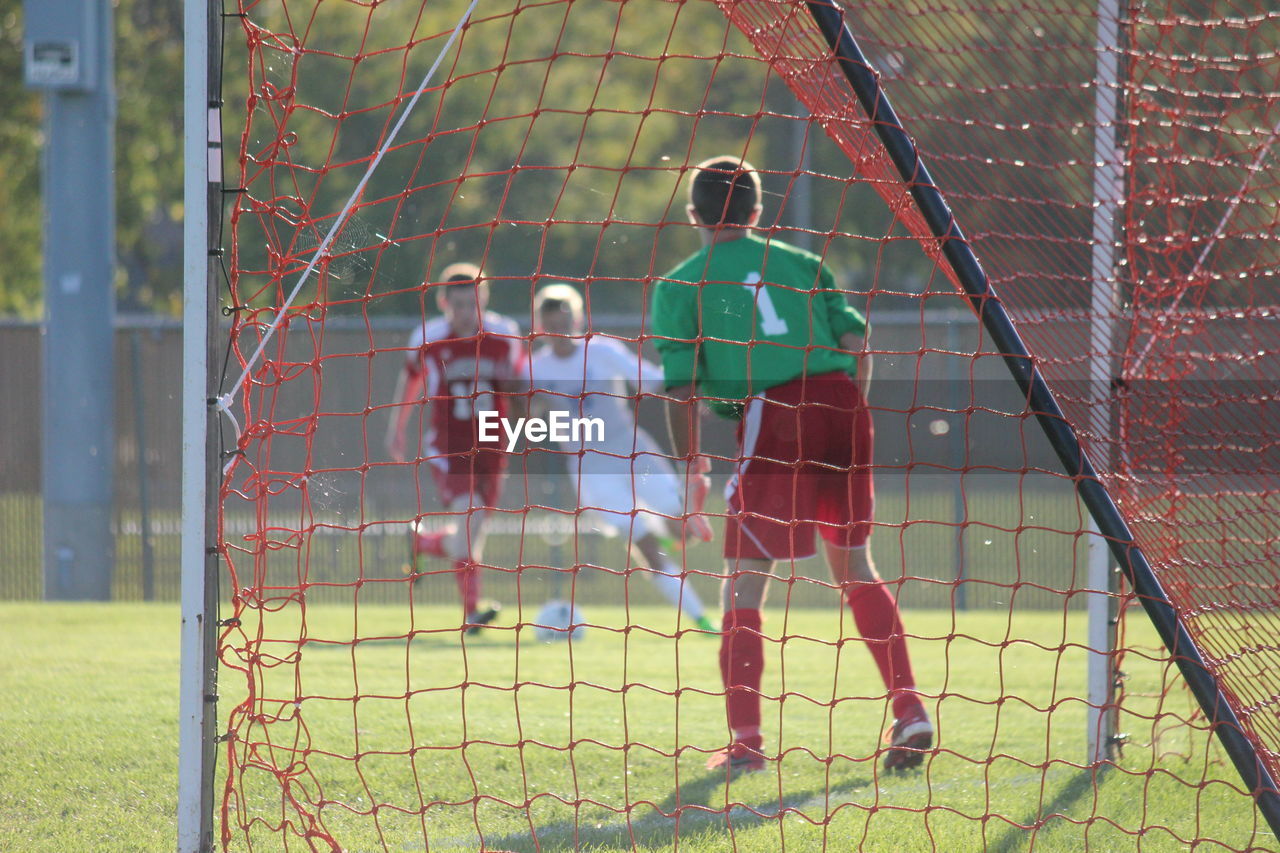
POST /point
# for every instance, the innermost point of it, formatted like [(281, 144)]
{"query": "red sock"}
[(741, 669), (468, 578), (431, 544), (875, 612)]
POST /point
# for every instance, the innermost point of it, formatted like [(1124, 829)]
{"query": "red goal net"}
[(1113, 170)]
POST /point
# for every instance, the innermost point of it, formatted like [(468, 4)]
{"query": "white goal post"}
[(202, 187)]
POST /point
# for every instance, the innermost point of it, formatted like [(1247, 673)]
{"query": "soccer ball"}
[(559, 620)]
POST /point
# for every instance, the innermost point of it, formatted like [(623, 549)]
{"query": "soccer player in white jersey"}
[(620, 475)]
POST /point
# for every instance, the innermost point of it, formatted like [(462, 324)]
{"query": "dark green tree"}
[(20, 273), (149, 155), (148, 146)]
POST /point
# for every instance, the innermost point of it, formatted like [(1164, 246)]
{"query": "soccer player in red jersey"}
[(759, 329), (461, 365)]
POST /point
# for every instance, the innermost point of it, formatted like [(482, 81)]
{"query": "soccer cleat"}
[(705, 624), (908, 741), (481, 616), (737, 759)]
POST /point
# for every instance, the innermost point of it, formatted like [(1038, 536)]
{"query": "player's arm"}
[(410, 388), (650, 376), (520, 383), (682, 422), (676, 326), (539, 405), (650, 386), (676, 330), (513, 380), (848, 325), (642, 377), (540, 397), (857, 344), (518, 402)]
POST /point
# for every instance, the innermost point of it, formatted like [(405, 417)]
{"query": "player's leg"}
[(425, 542), (846, 505), (879, 623), (765, 522), (615, 487), (742, 663), (467, 486), (465, 544), (668, 577), (461, 543), (876, 616), (465, 539)]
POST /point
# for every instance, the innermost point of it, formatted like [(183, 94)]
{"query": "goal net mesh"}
[(375, 143)]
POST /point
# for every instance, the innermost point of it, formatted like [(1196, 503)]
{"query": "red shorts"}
[(805, 467), (476, 473)]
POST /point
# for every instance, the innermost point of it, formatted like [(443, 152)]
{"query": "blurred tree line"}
[(148, 162), (560, 146), (558, 150), (20, 283)]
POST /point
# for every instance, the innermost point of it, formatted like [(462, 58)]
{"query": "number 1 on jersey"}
[(770, 322)]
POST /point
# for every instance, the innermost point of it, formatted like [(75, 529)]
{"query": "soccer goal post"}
[(1059, 223), (1103, 741), (201, 469)]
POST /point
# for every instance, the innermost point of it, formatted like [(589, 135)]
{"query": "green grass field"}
[(598, 745)]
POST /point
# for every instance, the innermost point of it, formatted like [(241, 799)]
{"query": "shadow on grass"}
[(1017, 838), (684, 815)]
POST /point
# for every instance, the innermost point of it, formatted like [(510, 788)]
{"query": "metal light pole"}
[(68, 54)]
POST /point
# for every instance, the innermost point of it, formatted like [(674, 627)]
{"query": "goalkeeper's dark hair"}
[(724, 191)]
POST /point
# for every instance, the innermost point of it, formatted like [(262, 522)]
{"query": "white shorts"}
[(628, 490)]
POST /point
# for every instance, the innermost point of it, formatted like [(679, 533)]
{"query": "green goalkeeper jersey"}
[(744, 315)]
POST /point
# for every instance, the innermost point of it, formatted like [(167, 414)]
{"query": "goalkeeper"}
[(619, 474), (759, 330)]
